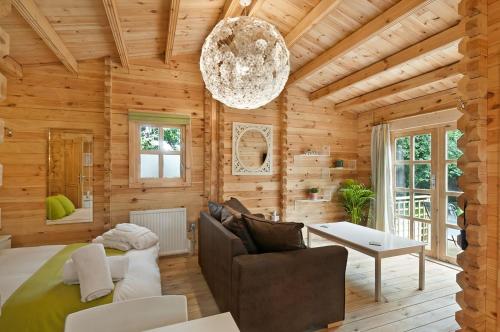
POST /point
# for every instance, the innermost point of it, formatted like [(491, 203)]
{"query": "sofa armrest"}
[(217, 247), (289, 291)]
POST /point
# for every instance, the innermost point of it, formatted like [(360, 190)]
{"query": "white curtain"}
[(382, 206)]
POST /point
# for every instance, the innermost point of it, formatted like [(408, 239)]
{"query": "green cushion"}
[(67, 204), (55, 210)]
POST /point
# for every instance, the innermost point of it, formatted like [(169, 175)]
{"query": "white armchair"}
[(130, 316)]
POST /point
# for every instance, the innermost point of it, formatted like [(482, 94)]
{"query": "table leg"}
[(308, 239), (378, 279), (421, 270)]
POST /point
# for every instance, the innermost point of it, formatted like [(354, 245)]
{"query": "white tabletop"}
[(217, 323), (360, 237)]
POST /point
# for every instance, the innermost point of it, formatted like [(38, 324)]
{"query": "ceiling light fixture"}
[(245, 62)]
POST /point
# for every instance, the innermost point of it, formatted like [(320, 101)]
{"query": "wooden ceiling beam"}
[(386, 20), (399, 87), (172, 27), (320, 11), (232, 8), (114, 22), (32, 14), (5, 8), (432, 44), (11, 67), (255, 6), (437, 101)]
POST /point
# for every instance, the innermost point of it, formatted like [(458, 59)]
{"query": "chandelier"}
[(244, 62)]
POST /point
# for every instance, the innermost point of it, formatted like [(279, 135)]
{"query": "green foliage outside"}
[(422, 146), (356, 198), (150, 138)]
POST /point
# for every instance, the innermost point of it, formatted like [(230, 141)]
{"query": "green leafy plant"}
[(313, 190), (356, 198)]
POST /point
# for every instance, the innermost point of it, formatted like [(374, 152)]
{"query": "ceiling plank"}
[(11, 67), (432, 44), (114, 22), (255, 6), (172, 26), (32, 14), (386, 20), (232, 8), (5, 7), (412, 83), (322, 9)]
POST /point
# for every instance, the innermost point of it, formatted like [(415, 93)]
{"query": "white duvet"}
[(142, 279)]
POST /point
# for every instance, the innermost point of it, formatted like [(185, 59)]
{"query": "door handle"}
[(433, 181)]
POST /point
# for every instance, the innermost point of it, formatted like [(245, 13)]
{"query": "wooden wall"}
[(310, 126), (261, 194), (100, 98), (152, 85), (493, 246), (47, 97)]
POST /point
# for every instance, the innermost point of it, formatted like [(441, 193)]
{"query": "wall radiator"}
[(169, 224)]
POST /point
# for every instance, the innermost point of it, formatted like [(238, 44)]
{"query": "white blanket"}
[(93, 272), (118, 266), (142, 279)]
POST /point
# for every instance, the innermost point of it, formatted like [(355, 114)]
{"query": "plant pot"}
[(313, 196)]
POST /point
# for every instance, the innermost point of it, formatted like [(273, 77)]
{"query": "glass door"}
[(414, 186), (426, 191), (449, 192)]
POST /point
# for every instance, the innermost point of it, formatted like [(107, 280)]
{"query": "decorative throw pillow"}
[(67, 204), (274, 236), (215, 210), (231, 219), (235, 204), (55, 210)]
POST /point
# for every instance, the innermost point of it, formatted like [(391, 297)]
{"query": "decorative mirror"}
[(70, 177), (252, 149)]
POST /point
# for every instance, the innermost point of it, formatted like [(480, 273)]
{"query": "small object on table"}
[(275, 216), (375, 243)]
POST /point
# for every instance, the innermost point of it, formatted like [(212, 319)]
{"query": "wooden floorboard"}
[(404, 307)]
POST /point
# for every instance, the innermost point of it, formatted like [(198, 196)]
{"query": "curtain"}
[(382, 205)]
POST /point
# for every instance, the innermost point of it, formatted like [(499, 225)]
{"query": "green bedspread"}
[(43, 301)]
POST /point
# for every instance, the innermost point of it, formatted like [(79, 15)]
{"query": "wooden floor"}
[(404, 308)]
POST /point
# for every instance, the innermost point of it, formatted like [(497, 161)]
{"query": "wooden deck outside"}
[(404, 307)]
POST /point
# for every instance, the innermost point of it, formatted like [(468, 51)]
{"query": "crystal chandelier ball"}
[(245, 62)]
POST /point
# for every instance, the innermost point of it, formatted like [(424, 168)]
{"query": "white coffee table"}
[(359, 238)]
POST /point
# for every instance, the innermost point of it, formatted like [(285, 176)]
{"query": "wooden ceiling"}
[(359, 54)]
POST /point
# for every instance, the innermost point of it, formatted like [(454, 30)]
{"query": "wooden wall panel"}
[(493, 168), (261, 194), (48, 97), (312, 125), (176, 87)]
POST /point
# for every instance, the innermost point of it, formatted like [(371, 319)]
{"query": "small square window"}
[(159, 150)]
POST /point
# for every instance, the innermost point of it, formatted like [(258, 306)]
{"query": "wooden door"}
[(73, 167)]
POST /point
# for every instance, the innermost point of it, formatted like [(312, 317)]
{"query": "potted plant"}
[(356, 198), (313, 193)]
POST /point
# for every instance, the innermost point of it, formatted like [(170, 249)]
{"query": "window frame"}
[(135, 180)]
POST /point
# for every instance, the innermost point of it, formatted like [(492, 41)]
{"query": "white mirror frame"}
[(239, 129)]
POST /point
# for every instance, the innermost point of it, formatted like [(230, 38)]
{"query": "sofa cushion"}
[(274, 236), (235, 204), (231, 219), (215, 210)]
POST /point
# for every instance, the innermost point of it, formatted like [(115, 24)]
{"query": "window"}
[(159, 148)]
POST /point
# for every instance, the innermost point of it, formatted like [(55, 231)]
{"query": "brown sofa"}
[(290, 291)]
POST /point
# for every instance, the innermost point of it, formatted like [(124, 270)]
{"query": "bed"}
[(19, 264)]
